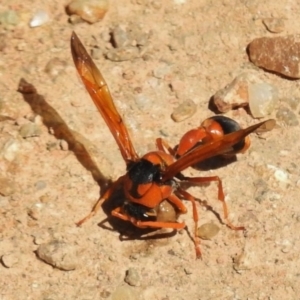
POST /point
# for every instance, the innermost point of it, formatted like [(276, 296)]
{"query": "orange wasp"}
[(156, 176)]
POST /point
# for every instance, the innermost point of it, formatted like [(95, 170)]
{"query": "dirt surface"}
[(57, 155)]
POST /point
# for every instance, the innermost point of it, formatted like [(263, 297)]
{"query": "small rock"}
[(166, 212), (162, 70), (274, 25), (9, 18), (75, 19), (30, 130), (64, 145), (35, 211), (184, 111), (59, 255), (261, 190), (235, 94), (41, 17), (143, 102), (123, 54), (10, 149), (293, 102), (40, 184), (9, 260), (7, 187), (262, 99), (279, 54), (125, 292), (247, 89), (279, 174), (244, 261), (120, 37), (41, 237), (3, 42), (90, 11), (132, 277), (54, 67), (287, 116), (188, 271), (128, 74), (96, 53), (105, 294), (207, 231)]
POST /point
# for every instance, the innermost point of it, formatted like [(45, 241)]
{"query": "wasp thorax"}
[(144, 171)]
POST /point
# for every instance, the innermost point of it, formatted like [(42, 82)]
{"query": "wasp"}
[(157, 176)]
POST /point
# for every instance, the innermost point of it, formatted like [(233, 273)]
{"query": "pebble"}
[(9, 18), (64, 145), (30, 130), (243, 261), (184, 111), (9, 260), (162, 70), (120, 37), (188, 271), (40, 18), (55, 66), (123, 292), (278, 54), (247, 89), (287, 116), (7, 187), (293, 102), (122, 54), (128, 74), (90, 11), (75, 19), (207, 231), (166, 212), (35, 211), (279, 174), (96, 53), (235, 94), (41, 237), (3, 42), (59, 255), (143, 102), (261, 190), (105, 294), (263, 98), (132, 277), (10, 149), (274, 25)]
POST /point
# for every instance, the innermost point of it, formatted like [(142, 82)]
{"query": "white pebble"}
[(40, 18), (280, 174), (262, 99)]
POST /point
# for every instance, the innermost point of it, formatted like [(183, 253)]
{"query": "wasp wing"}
[(99, 92), (220, 146)]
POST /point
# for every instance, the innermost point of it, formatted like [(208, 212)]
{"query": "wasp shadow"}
[(53, 121), (215, 162)]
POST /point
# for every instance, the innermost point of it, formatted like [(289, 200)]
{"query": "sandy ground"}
[(50, 179)]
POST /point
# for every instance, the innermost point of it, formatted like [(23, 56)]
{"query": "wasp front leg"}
[(102, 199), (117, 212)]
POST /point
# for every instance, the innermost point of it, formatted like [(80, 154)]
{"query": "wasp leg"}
[(117, 212), (221, 196), (162, 145), (100, 201), (189, 197)]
